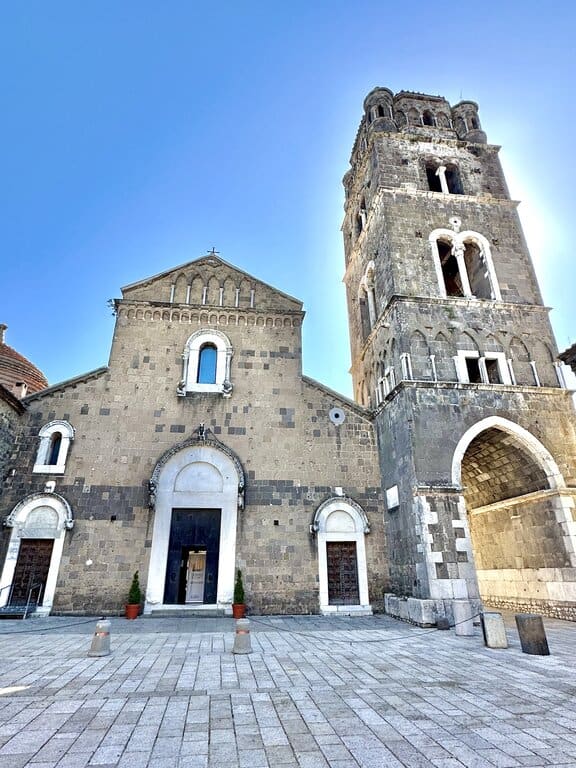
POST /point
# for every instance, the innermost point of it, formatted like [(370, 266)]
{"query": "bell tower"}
[(453, 350)]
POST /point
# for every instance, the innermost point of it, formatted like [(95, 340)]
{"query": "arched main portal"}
[(198, 490), (519, 514)]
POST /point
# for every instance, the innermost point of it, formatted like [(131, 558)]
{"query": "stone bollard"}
[(101, 640), (463, 623), (242, 642), (532, 634), (493, 630)]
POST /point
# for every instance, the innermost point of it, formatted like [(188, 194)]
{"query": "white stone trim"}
[(17, 520), (167, 498), (46, 434), (406, 365), (460, 363), (359, 527)]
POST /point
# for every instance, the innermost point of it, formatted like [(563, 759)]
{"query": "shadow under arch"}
[(519, 512)]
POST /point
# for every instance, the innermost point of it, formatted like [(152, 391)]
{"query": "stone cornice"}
[(515, 389), (459, 301), (157, 311)]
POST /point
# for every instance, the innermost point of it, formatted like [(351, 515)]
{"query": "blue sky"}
[(137, 135)]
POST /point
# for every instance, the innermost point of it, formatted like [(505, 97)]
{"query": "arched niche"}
[(39, 523)]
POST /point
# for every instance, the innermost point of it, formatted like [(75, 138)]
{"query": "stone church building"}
[(202, 447)]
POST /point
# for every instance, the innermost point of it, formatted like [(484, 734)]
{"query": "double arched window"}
[(464, 264)]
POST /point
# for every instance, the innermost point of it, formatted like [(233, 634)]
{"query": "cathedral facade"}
[(202, 448)]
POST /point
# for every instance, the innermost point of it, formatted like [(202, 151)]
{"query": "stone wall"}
[(276, 422)]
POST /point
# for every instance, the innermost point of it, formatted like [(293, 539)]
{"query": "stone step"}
[(12, 612), (183, 613)]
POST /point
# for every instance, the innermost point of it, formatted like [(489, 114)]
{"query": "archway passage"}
[(513, 514)]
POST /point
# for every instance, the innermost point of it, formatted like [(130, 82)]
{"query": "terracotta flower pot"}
[(238, 610), (132, 610)]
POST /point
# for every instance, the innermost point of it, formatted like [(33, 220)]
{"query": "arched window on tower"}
[(380, 110), (444, 178), (207, 364), (477, 272), (453, 180), (450, 269), (464, 263), (428, 118)]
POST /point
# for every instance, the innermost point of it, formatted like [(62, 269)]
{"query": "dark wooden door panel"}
[(192, 530), (31, 569), (342, 573)]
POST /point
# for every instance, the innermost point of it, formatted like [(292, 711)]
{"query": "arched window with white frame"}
[(206, 364), (55, 438), (463, 263)]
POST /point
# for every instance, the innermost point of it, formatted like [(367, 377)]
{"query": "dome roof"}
[(16, 371)]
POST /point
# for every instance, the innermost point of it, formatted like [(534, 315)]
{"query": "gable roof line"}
[(360, 410), (147, 280), (10, 398), (66, 383)]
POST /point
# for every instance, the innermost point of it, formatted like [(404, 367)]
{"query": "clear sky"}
[(138, 135)]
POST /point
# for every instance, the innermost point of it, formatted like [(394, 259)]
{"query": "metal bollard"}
[(101, 640), (493, 630), (532, 634), (242, 642)]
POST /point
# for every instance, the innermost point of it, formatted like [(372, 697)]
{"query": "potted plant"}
[(132, 607), (239, 604)]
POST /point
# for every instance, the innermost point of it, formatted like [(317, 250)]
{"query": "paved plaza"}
[(315, 692)]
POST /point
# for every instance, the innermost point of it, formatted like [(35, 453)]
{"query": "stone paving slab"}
[(316, 692)]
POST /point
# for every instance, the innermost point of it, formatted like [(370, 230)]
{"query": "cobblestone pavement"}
[(315, 692)]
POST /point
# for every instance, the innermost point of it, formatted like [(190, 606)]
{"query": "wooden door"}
[(31, 570), (342, 573)]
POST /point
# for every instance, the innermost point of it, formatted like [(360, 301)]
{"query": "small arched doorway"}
[(340, 525), (197, 492), (517, 509), (30, 573)]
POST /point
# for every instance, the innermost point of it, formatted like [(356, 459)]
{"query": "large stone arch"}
[(526, 438), (195, 487), (520, 517)]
